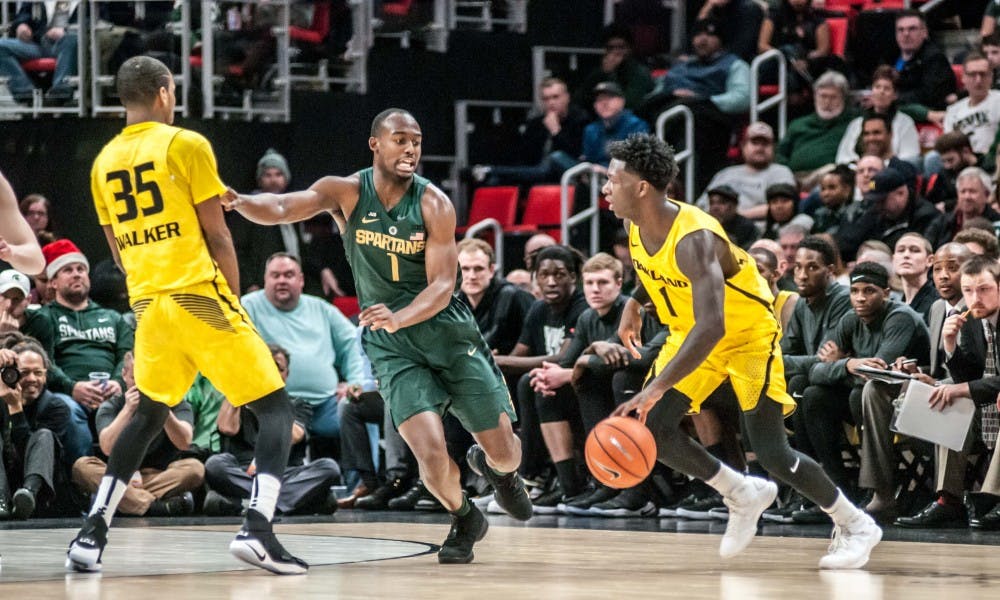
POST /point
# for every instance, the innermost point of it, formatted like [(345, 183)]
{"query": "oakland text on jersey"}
[(150, 235), (652, 274), (386, 242)]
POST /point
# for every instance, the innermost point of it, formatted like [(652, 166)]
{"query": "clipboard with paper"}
[(916, 418)]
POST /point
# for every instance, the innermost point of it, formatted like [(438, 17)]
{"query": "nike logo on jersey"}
[(471, 351), (795, 466), (366, 220)]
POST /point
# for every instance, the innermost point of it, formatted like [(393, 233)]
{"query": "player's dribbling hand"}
[(378, 316), (640, 404)]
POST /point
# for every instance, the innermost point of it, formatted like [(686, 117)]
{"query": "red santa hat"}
[(60, 253)]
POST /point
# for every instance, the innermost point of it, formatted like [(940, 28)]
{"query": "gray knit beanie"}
[(273, 160)]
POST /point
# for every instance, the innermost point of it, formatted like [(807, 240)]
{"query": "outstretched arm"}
[(697, 257), (327, 194), (18, 245), (441, 258)]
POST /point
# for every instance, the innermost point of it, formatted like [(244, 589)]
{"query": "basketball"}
[(620, 452)]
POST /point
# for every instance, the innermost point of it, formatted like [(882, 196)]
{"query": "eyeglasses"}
[(36, 372)]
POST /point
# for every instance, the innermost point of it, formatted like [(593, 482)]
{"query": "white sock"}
[(841, 511), (264, 495), (726, 480), (109, 494)]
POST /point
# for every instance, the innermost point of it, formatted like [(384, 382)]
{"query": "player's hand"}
[(944, 396), (630, 330), (614, 355), (378, 317), (230, 199), (640, 404)]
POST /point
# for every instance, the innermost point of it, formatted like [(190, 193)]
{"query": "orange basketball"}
[(620, 452)]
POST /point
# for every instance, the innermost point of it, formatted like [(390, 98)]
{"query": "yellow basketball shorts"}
[(200, 328), (752, 363)]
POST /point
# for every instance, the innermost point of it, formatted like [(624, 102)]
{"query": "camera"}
[(10, 375)]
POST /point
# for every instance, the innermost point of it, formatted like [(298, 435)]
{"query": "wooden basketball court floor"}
[(391, 555)]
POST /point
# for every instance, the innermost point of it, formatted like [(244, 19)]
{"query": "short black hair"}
[(845, 174), (768, 257), (647, 156), (139, 80), (874, 116), (818, 244), (911, 12), (278, 349), (380, 118), (567, 255)]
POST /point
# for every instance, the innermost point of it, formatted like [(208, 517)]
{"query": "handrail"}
[(780, 99), (686, 155), (592, 212), (538, 70), (490, 223)]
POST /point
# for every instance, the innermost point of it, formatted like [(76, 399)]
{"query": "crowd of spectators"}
[(880, 248)]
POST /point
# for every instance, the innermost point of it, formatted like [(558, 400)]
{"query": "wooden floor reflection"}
[(396, 560)]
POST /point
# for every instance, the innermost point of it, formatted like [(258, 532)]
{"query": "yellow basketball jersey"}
[(779, 302), (748, 301), (146, 183)]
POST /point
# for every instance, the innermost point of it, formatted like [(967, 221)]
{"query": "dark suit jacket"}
[(968, 362)]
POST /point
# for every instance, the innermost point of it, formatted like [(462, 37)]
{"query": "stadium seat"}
[(884, 5), (347, 305), (318, 30), (494, 202), (958, 70), (39, 65), (838, 35), (541, 212)]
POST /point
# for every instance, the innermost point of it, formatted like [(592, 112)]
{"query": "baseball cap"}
[(726, 191), (11, 279), (885, 181), (759, 129), (608, 87)]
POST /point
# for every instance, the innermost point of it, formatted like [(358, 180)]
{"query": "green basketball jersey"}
[(386, 248)]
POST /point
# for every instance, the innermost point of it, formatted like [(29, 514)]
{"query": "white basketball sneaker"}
[(852, 543), (746, 503)]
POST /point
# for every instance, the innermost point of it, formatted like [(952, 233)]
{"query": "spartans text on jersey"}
[(363, 237)]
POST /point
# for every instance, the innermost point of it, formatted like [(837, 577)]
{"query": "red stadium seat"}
[(347, 305), (318, 30), (958, 70), (496, 202), (400, 8), (838, 35), (883, 4), (541, 213), (39, 65)]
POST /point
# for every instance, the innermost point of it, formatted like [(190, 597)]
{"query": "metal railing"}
[(685, 156), (539, 62), (37, 106), (592, 212), (354, 75), (100, 81), (494, 225), (464, 127), (479, 13), (278, 106), (780, 99)]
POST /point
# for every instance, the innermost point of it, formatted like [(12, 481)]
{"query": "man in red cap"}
[(81, 337)]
